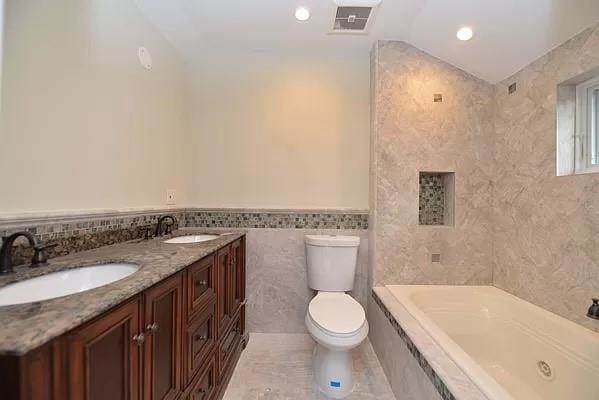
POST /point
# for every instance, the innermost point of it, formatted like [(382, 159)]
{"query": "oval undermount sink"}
[(192, 239), (63, 283)]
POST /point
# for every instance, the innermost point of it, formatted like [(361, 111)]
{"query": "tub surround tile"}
[(407, 379), (27, 326), (546, 227), (388, 321), (279, 367), (411, 133), (517, 226)]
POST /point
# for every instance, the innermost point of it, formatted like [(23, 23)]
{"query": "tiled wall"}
[(281, 219), (517, 225), (546, 227), (73, 233), (407, 129)]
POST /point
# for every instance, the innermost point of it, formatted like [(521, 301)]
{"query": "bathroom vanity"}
[(172, 330)]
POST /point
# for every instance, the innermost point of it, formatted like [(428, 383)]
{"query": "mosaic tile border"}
[(276, 219), (85, 231), (426, 367)]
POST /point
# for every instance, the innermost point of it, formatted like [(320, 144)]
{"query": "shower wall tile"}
[(412, 133), (546, 227)]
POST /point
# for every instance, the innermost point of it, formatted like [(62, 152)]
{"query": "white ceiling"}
[(509, 34)]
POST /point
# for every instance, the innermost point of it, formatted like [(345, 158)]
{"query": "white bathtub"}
[(504, 344)]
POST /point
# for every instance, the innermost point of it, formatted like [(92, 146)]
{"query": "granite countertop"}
[(25, 327)]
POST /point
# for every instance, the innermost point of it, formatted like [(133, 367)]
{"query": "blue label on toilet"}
[(335, 384)]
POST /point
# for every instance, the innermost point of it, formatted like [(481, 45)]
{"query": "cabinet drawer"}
[(200, 340), (201, 284), (204, 386), (229, 344)]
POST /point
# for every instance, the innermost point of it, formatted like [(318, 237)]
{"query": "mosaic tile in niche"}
[(431, 208)]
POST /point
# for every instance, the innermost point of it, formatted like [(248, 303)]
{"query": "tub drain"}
[(545, 370)]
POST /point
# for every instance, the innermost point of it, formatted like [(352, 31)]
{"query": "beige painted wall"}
[(546, 227), (83, 124), (1, 48), (411, 133), (280, 131)]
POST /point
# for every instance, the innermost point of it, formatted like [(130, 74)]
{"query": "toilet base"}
[(333, 372)]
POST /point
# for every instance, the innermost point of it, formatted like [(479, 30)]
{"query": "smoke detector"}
[(354, 16)]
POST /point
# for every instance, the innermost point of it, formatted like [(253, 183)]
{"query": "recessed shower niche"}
[(436, 198)]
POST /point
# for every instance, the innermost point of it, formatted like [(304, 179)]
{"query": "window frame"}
[(587, 127)]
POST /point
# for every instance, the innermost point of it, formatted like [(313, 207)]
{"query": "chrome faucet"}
[(39, 255), (158, 231), (594, 310)]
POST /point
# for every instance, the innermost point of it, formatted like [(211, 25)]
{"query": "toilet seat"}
[(337, 314)]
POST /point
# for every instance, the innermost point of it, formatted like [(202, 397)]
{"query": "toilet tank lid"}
[(332, 240)]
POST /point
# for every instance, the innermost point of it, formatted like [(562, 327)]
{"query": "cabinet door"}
[(104, 356), (162, 351), (237, 275), (223, 292)]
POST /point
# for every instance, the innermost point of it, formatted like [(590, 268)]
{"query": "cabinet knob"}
[(202, 283), (200, 337), (139, 339), (201, 392), (152, 328)]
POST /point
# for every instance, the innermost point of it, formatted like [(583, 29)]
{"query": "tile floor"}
[(278, 367)]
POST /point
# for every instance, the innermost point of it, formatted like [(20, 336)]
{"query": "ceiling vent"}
[(354, 16)]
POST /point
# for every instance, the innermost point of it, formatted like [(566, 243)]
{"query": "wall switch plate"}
[(436, 258), (171, 197)]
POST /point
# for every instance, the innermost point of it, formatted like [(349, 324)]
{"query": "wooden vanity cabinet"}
[(178, 340), (162, 347), (104, 356)]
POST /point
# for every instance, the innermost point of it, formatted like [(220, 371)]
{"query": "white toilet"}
[(334, 319)]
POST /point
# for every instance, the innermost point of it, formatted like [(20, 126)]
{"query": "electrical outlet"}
[(171, 197), (436, 258)]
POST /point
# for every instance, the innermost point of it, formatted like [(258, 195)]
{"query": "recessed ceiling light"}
[(302, 14), (465, 33)]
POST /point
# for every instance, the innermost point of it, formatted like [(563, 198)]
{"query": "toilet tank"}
[(331, 262)]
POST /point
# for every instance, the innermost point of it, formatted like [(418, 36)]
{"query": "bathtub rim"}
[(458, 383), (486, 383)]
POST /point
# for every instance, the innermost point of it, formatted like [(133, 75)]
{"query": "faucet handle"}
[(39, 255), (147, 230)]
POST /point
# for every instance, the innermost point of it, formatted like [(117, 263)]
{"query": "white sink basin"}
[(58, 284), (192, 239)]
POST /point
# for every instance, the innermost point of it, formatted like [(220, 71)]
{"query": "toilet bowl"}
[(334, 319), (338, 324)]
